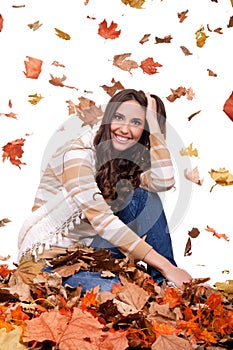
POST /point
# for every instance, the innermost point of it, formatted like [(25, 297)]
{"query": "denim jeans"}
[(144, 214)]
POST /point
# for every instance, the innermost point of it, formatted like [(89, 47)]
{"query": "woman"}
[(105, 183)]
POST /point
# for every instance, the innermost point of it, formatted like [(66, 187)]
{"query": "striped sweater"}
[(72, 168)]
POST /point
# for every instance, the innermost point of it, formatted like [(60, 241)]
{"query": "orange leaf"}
[(121, 62), (228, 107), (218, 235), (33, 67), (172, 296), (7, 325), (171, 342), (90, 298), (14, 151), (18, 315), (162, 328), (108, 32), (1, 22), (149, 66)]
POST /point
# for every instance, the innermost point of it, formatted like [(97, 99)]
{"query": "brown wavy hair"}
[(118, 175)]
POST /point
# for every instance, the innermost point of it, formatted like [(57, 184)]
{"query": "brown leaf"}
[(228, 107), (182, 15), (149, 66), (221, 177), (111, 90), (167, 39), (188, 246), (230, 24), (34, 26), (62, 35), (4, 221), (193, 176), (88, 112), (194, 233), (200, 37), (193, 115), (108, 32), (171, 342), (9, 115), (185, 51), (145, 38), (13, 150), (211, 73), (121, 62), (180, 91), (134, 3), (33, 67), (1, 22), (68, 270)]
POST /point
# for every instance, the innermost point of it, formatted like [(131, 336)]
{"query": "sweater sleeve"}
[(79, 181), (160, 177)]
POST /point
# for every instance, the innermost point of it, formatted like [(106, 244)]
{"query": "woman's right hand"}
[(178, 276)]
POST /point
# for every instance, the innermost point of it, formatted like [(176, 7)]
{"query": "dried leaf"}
[(180, 91), (188, 247), (62, 35), (121, 62), (108, 32), (149, 66), (111, 90), (13, 151), (230, 24), (171, 342), (134, 3), (216, 234), (228, 107), (200, 37), (182, 15), (4, 221), (185, 51), (34, 26), (167, 39), (193, 176), (35, 98), (221, 177), (9, 115), (194, 233), (1, 22), (88, 112), (33, 67), (190, 93), (193, 115), (189, 151), (11, 340), (211, 73), (145, 38)]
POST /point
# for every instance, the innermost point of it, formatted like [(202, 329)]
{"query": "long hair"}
[(117, 176)]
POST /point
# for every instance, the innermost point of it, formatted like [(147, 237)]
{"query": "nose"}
[(124, 128)]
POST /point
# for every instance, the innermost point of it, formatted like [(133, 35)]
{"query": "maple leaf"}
[(35, 98), (87, 111), (171, 342), (200, 37), (134, 3), (221, 177), (62, 34), (18, 315), (90, 298), (172, 296), (189, 151), (111, 90), (228, 107), (193, 176), (13, 151), (1, 22), (149, 66), (121, 62), (34, 26), (33, 67), (108, 32)]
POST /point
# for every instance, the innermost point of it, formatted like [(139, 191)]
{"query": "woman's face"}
[(127, 125)]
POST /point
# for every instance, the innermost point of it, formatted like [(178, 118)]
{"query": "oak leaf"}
[(61, 34), (13, 151), (134, 3), (149, 66), (33, 67), (121, 62), (108, 32), (228, 107), (171, 342)]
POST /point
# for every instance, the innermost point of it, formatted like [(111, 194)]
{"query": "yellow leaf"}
[(62, 35), (134, 3), (200, 37)]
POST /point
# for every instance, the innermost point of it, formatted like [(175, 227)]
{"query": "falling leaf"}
[(232, 3), (194, 233), (185, 51), (144, 39), (13, 151), (62, 34), (167, 39), (193, 176), (217, 30), (182, 15), (149, 66), (134, 3), (33, 67), (189, 151), (216, 234), (9, 115), (171, 342), (59, 82), (193, 115), (180, 91), (57, 64), (228, 107), (4, 258), (35, 98), (108, 32), (1, 22), (190, 94), (221, 177), (34, 26), (211, 73), (188, 247), (121, 62), (111, 90), (200, 37), (230, 24)]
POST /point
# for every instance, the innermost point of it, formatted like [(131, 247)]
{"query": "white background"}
[(88, 64)]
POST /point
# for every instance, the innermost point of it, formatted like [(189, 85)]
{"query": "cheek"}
[(137, 133)]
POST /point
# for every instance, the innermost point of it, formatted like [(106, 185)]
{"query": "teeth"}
[(122, 138)]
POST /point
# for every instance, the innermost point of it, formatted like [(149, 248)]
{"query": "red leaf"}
[(228, 107), (149, 66), (13, 150), (33, 67), (108, 32), (1, 22)]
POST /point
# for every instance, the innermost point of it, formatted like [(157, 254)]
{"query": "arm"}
[(161, 175)]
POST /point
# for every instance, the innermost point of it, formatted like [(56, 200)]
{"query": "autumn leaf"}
[(167, 39), (188, 247), (11, 340), (177, 93), (221, 177), (200, 37), (182, 15), (34, 26), (13, 151), (62, 35), (111, 90), (194, 233), (87, 111), (189, 151), (145, 38), (193, 176), (228, 107), (1, 22), (121, 62), (211, 73), (108, 32), (35, 98), (33, 67), (9, 115), (134, 3), (216, 234), (185, 51), (171, 342), (90, 298), (193, 115), (149, 66)]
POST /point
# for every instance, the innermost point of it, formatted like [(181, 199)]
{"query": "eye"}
[(118, 116), (137, 122)]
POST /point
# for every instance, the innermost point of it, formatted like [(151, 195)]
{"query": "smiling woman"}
[(105, 184)]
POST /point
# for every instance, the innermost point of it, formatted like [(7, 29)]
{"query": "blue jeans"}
[(144, 214)]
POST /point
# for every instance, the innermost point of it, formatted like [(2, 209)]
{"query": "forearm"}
[(157, 261)]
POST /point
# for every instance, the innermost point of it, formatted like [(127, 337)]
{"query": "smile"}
[(121, 139)]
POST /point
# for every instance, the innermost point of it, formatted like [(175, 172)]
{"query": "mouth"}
[(121, 139)]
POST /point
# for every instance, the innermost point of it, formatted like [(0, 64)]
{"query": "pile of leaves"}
[(39, 311)]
